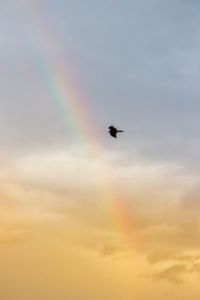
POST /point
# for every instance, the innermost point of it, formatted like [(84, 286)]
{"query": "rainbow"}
[(69, 101)]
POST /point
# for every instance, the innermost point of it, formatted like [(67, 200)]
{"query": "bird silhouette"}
[(113, 131)]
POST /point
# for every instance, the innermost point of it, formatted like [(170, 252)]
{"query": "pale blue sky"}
[(137, 61)]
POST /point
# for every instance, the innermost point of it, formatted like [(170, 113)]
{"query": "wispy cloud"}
[(173, 274), (171, 255)]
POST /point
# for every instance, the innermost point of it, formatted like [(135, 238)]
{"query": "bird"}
[(113, 131)]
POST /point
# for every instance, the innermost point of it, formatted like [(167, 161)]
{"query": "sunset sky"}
[(84, 216)]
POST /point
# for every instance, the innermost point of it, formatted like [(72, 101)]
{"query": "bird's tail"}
[(120, 131)]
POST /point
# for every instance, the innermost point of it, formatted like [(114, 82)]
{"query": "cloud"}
[(173, 274), (113, 250), (195, 268), (146, 229), (71, 182), (141, 202), (169, 255)]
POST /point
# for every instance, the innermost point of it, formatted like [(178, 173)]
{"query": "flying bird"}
[(113, 131)]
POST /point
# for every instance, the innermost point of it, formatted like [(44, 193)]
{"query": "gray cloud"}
[(173, 274), (171, 255), (110, 251)]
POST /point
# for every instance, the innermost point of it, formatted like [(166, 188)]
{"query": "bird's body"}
[(113, 131)]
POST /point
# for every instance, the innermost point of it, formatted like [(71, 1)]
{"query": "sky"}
[(83, 215)]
